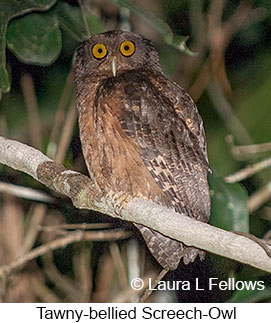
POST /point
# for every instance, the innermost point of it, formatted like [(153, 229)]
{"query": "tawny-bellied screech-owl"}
[(141, 134)]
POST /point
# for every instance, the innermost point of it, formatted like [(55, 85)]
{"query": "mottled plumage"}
[(141, 135)]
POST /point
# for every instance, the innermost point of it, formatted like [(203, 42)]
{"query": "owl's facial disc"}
[(115, 52)]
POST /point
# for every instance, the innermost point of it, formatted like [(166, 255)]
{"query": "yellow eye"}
[(99, 51), (127, 48)]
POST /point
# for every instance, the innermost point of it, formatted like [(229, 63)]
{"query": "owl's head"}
[(114, 52)]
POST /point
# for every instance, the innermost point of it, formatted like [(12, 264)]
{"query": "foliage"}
[(12, 10), (42, 45), (38, 39), (229, 205)]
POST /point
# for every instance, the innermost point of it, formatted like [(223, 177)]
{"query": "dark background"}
[(226, 69)]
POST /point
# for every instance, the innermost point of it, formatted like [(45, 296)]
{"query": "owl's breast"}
[(112, 158)]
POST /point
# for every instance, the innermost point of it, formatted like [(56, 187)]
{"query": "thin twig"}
[(219, 35), (243, 16), (63, 242), (248, 171), (149, 291), (246, 152), (31, 102), (67, 132), (12, 227), (198, 26), (39, 251), (35, 219), (189, 64), (259, 198), (104, 279), (119, 265), (257, 240), (65, 99), (83, 12), (26, 192), (129, 293), (82, 270), (135, 263), (44, 293), (75, 226), (215, 12), (62, 283), (267, 235), (224, 109)]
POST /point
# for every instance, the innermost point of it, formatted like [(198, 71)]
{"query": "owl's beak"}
[(114, 67)]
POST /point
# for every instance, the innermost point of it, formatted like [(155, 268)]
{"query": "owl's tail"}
[(168, 252)]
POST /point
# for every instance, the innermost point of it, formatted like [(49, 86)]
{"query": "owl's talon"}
[(119, 202)]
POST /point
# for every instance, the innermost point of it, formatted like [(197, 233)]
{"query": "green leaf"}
[(35, 38), (70, 19), (179, 43), (250, 296), (94, 24), (228, 205), (8, 10), (163, 28)]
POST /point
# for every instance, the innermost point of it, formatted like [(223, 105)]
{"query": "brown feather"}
[(142, 137)]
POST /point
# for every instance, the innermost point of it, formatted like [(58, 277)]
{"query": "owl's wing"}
[(167, 129), (184, 107)]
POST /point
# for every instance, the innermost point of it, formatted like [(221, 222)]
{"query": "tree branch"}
[(246, 152), (85, 195)]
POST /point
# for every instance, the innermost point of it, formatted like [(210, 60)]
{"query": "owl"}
[(141, 135)]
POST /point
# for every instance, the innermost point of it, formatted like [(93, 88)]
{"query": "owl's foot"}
[(119, 201)]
